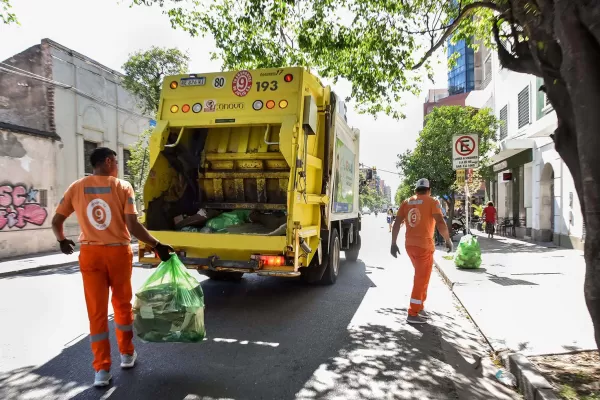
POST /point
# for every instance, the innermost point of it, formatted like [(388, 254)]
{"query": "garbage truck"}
[(253, 171)]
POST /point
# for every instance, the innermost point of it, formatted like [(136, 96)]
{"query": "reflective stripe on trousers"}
[(422, 260)]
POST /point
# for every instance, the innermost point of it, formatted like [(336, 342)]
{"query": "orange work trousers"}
[(422, 260), (104, 268)]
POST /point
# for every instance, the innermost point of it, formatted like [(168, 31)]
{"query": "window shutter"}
[(523, 107), (88, 148), (547, 99), (504, 122), (487, 70)]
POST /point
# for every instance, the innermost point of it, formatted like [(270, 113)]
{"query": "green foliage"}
[(404, 191), (145, 71), (432, 156), (477, 210), (139, 163), (369, 197), (376, 45), (6, 16)]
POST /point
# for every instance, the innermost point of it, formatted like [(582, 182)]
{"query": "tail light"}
[(271, 261)]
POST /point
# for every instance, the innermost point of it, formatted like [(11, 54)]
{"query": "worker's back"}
[(418, 212)]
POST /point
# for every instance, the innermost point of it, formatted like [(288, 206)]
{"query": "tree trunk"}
[(581, 57)]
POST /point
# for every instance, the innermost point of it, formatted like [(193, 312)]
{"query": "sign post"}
[(465, 158)]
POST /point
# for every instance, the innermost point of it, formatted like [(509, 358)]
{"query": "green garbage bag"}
[(468, 253), (169, 307), (225, 220)]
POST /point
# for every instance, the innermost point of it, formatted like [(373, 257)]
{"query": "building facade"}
[(531, 185), (72, 104)]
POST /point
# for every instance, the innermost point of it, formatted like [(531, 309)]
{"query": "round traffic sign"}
[(465, 145)]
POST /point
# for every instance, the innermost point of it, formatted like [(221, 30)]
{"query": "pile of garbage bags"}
[(468, 253), (245, 222), (169, 307)]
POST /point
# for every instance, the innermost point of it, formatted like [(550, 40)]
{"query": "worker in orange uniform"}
[(421, 213), (106, 213)]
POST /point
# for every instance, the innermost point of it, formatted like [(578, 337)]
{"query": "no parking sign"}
[(465, 151)]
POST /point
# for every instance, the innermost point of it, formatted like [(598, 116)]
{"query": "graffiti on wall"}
[(20, 206)]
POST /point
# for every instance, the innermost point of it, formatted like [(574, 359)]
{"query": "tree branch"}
[(452, 27), (524, 63)]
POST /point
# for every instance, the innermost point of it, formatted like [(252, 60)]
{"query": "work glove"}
[(449, 245), (163, 251), (395, 250), (67, 246)]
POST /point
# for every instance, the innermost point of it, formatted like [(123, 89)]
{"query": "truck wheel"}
[(224, 276), (333, 261), (352, 253)]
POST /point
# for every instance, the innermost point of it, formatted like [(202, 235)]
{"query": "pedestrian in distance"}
[(390, 219), (106, 212), (422, 214), (489, 217)]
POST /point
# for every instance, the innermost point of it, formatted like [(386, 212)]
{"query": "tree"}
[(368, 196), (404, 191), (138, 163), (432, 156), (145, 71), (6, 16)]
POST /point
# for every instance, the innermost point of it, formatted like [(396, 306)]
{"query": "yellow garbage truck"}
[(253, 172)]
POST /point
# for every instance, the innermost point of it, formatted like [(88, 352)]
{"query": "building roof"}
[(28, 131), (82, 57)]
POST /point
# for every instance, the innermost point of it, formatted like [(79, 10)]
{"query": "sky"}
[(109, 30)]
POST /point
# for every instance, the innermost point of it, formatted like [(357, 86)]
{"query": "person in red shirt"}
[(105, 209), (489, 217), (422, 213)]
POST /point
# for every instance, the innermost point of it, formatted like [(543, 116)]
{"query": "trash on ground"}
[(468, 253), (169, 307), (506, 378)]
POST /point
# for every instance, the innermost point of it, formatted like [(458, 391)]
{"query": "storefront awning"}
[(510, 147)]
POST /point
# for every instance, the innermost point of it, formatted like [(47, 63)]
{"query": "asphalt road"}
[(268, 338)]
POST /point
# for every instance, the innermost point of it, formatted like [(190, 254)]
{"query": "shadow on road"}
[(69, 270), (266, 337)]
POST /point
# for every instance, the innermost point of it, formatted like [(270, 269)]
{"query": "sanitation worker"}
[(106, 213), (421, 213)]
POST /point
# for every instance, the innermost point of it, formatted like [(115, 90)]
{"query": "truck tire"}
[(352, 253), (224, 276), (333, 261)]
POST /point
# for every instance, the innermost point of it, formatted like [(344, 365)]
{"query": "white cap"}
[(422, 183)]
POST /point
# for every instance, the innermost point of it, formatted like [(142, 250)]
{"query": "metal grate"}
[(43, 198), (126, 170), (504, 122), (523, 107), (88, 148)]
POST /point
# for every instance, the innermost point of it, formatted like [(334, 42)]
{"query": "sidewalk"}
[(37, 262), (525, 298)]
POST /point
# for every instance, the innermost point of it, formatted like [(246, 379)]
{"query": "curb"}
[(38, 268), (531, 382)]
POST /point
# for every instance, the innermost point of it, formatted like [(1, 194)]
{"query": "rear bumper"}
[(215, 252)]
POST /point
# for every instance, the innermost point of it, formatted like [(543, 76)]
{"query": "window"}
[(88, 148), (504, 122), (523, 107), (43, 198), (546, 106), (487, 71), (126, 170)]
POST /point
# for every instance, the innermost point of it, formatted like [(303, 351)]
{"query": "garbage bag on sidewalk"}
[(468, 253), (169, 307)]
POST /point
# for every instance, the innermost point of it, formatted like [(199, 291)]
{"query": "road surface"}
[(268, 338)]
